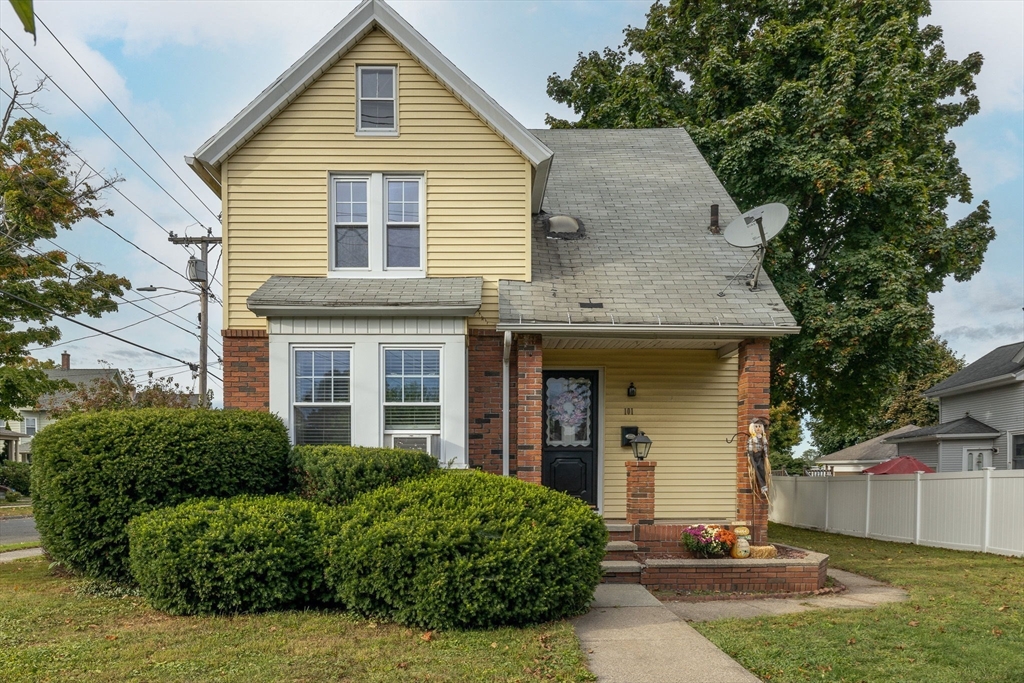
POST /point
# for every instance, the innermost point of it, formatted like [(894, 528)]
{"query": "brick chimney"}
[(65, 361)]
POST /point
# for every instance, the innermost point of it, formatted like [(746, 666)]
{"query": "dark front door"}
[(569, 457)]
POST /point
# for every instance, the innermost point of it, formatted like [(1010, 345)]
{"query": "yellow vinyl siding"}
[(276, 209), (686, 403)]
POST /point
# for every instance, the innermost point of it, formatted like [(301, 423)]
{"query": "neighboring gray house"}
[(857, 458), (981, 417), (35, 418)]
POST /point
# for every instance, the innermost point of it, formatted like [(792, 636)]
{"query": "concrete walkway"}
[(631, 637), (12, 555), (861, 592)]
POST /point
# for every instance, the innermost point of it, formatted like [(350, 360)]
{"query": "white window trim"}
[(35, 426), (375, 132), (384, 348), (366, 384), (376, 216), (291, 384), (1010, 433)]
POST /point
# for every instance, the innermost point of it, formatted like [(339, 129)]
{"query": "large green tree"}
[(841, 110), (41, 191)]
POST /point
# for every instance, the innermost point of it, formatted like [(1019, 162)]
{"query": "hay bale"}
[(763, 552)]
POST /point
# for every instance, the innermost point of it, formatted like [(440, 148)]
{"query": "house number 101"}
[(627, 411)]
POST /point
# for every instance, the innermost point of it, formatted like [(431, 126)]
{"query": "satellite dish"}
[(754, 229), (757, 226)]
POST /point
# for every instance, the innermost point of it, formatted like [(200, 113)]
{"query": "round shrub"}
[(464, 550), (337, 474), (15, 475), (244, 554), (93, 472)]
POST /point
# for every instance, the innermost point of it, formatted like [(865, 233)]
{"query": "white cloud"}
[(994, 29)]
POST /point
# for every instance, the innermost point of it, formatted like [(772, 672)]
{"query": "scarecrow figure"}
[(757, 453)]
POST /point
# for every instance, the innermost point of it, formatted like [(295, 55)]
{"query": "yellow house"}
[(406, 265)]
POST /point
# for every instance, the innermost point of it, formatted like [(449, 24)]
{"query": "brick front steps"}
[(650, 555)]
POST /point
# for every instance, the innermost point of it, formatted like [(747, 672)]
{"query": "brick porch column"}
[(485, 349), (640, 491), (530, 394), (246, 369), (753, 386)]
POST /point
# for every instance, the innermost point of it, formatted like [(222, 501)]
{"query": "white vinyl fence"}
[(981, 511)]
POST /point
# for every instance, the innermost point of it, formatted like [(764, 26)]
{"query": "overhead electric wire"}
[(92, 336), (100, 128), (112, 186), (111, 293), (125, 117), (193, 366)]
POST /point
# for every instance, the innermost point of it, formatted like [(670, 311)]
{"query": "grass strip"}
[(964, 620), (4, 547)]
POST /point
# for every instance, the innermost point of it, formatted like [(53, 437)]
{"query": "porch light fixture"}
[(641, 446), (631, 391)]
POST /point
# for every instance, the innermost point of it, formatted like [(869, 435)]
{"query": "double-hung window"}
[(30, 426), (377, 111), (412, 391), (322, 399), (377, 224)]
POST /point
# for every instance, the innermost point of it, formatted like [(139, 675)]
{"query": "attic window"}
[(562, 227), (377, 111)]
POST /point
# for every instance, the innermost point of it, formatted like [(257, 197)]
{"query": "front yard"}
[(51, 629), (964, 620)]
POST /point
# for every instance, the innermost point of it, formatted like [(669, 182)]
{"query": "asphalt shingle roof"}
[(872, 450), (965, 425), (995, 363), (644, 197), (344, 293), (81, 377)]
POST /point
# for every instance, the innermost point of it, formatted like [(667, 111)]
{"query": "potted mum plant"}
[(708, 540)]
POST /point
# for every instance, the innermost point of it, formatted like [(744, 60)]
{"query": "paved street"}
[(18, 530)]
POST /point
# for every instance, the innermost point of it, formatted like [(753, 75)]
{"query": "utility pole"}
[(198, 272)]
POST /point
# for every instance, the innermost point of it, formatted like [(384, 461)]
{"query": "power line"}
[(92, 336), (110, 292), (192, 366), (125, 117), (112, 186), (100, 128)]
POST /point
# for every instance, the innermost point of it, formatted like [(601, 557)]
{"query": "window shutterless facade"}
[(377, 101), (412, 391), (322, 396), (377, 226), (31, 426)]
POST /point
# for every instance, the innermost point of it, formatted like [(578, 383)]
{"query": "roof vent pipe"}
[(715, 230)]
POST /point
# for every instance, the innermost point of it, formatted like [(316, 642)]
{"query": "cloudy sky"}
[(181, 69)]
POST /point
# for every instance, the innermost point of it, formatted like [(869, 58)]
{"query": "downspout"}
[(504, 404)]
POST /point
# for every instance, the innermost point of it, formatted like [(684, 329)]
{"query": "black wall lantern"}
[(631, 391), (641, 446)]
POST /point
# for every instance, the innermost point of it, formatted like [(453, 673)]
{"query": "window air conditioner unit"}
[(428, 443)]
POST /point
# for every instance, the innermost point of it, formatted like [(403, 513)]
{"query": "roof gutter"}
[(206, 173), (626, 330), (943, 437), (429, 310), (975, 386)]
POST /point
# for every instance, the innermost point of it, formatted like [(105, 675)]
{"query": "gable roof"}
[(370, 14), (646, 255), (872, 450), (965, 427), (1003, 364), (81, 377)]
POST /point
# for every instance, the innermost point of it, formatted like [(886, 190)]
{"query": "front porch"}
[(689, 396)]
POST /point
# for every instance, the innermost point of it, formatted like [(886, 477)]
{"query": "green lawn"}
[(964, 620), (51, 629), (15, 511), (4, 547)]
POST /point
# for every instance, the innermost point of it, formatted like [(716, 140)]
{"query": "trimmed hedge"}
[(464, 550), (93, 472), (16, 475), (337, 474), (244, 554)]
